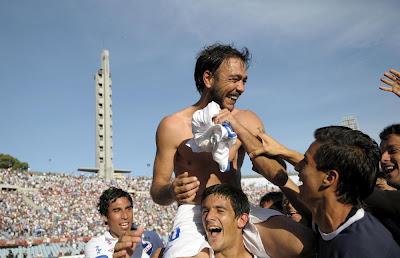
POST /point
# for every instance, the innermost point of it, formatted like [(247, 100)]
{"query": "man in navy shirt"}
[(337, 172)]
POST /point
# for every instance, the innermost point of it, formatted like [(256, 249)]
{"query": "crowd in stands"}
[(57, 206)]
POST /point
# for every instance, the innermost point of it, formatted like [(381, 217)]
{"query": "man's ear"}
[(331, 178), (242, 220), (208, 79), (105, 219)]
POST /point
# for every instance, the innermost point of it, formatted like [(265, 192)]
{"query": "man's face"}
[(119, 216), (228, 82), (390, 158), (267, 204), (310, 176), (222, 228), (290, 211)]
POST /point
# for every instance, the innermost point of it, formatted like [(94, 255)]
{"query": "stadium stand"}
[(54, 215)]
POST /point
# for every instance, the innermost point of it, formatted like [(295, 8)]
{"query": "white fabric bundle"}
[(210, 137)]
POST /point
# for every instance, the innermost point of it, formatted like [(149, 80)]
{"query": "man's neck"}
[(330, 215), (203, 101), (238, 251)]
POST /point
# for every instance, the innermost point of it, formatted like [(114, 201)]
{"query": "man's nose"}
[(385, 156), (240, 86), (124, 214), (210, 215)]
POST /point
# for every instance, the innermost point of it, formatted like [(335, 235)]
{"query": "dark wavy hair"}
[(211, 57), (354, 155), (109, 196), (391, 129), (236, 196)]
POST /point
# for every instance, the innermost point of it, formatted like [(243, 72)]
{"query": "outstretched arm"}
[(272, 147), (392, 80), (246, 124), (266, 165)]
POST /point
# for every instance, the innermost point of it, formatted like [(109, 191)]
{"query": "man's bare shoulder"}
[(176, 122), (247, 117)]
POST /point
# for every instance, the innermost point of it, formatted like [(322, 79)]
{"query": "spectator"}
[(10, 254), (390, 149), (385, 205), (272, 200), (291, 212), (116, 208)]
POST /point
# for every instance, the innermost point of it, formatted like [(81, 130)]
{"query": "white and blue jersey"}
[(103, 246)]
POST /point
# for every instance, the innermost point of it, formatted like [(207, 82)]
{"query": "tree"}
[(8, 161)]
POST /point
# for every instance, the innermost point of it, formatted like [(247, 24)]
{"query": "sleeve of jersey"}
[(92, 250)]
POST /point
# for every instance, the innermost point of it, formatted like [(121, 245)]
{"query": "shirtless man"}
[(220, 76)]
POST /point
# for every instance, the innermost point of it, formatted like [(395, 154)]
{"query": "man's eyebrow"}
[(220, 207), (237, 76)]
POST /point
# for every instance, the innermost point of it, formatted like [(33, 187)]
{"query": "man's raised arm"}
[(246, 130)]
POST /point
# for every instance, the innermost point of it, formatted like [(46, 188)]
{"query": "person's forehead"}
[(231, 62), (217, 200), (393, 139), (120, 201), (312, 149)]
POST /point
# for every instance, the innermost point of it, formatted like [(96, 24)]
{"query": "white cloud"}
[(337, 24)]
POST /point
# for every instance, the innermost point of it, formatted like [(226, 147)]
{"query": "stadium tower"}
[(350, 121), (104, 132)]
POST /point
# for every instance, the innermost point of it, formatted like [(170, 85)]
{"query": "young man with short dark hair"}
[(115, 206)]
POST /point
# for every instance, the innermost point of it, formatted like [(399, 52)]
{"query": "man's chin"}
[(394, 177), (229, 107)]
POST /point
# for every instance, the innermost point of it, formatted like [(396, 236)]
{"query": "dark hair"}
[(211, 57), (391, 129), (237, 197), (109, 196), (275, 197), (354, 155)]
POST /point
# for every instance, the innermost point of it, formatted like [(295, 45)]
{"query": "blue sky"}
[(313, 63)]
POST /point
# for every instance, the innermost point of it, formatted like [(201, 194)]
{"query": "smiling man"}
[(338, 172), (115, 206), (220, 76), (234, 228), (225, 213), (390, 149), (385, 205)]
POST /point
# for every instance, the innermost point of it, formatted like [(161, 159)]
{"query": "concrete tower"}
[(104, 134), (350, 121), (104, 130)]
